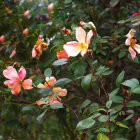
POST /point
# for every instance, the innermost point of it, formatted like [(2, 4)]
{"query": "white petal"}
[(127, 42), (80, 35), (137, 48)]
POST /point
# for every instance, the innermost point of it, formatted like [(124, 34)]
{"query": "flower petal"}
[(62, 54), (50, 82), (89, 36), (62, 92), (72, 48), (127, 42), (16, 89), (130, 34), (40, 86), (22, 73), (137, 48), (10, 73), (39, 102), (13, 53), (11, 83), (84, 51), (27, 84), (132, 52), (80, 35), (34, 53)]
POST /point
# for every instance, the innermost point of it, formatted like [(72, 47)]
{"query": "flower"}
[(132, 44), (73, 48), (16, 80), (51, 7), (62, 54), (90, 23), (2, 39), (53, 99), (137, 20), (38, 47), (25, 32), (26, 13)]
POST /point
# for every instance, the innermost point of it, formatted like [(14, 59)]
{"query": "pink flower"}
[(132, 44), (13, 53), (62, 54), (51, 7), (16, 80), (73, 48), (62, 92)]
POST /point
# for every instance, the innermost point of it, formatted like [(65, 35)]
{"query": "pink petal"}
[(83, 51), (91, 23), (27, 84), (16, 89), (130, 34), (39, 102), (127, 42), (137, 48), (133, 15), (22, 73), (62, 92), (80, 35), (89, 36), (132, 52), (11, 73), (13, 53), (72, 48), (11, 83), (34, 53), (54, 102)]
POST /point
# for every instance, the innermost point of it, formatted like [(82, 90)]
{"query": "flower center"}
[(82, 45)]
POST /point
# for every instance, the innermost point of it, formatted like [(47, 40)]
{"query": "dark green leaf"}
[(62, 82), (56, 106), (102, 136), (120, 78), (48, 72), (85, 103), (103, 118), (60, 62)]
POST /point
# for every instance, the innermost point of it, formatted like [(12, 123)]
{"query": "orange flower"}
[(53, 99), (62, 54), (110, 61)]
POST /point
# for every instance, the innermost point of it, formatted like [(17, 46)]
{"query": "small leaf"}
[(60, 62), (85, 103), (27, 108), (105, 130), (86, 82), (133, 103), (120, 124), (48, 72), (113, 93), (68, 1), (116, 99), (45, 91), (131, 83), (84, 124), (56, 106), (120, 139), (62, 82), (41, 116), (120, 78), (114, 2), (103, 118), (128, 117), (102, 136), (108, 104)]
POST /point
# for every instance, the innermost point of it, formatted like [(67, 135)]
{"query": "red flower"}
[(62, 54)]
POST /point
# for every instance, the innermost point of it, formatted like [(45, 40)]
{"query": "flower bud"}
[(26, 13), (25, 32), (51, 7), (67, 31), (2, 39)]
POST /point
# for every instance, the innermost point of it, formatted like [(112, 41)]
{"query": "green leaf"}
[(133, 103), (114, 2), (95, 115), (62, 82), (101, 70), (85, 103), (103, 118), (135, 90), (120, 139), (84, 124), (113, 93), (120, 124), (48, 72), (128, 117), (131, 83), (108, 104), (46, 99), (86, 82), (122, 54), (57, 106), (27, 108), (116, 99), (68, 1), (41, 116), (38, 80), (120, 79), (60, 62), (105, 130), (45, 91), (102, 136)]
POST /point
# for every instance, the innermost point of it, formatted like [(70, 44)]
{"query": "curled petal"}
[(11, 83), (89, 36), (62, 92), (127, 42), (40, 86), (39, 102), (50, 82), (130, 34), (16, 89), (132, 52), (83, 51), (22, 73), (34, 53), (72, 48), (80, 35), (27, 84), (137, 48), (11, 73)]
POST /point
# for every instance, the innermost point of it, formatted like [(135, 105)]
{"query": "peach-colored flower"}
[(16, 80), (73, 48), (37, 50), (132, 44), (62, 54), (62, 92)]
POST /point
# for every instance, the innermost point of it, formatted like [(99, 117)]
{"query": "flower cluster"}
[(53, 99), (132, 44)]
